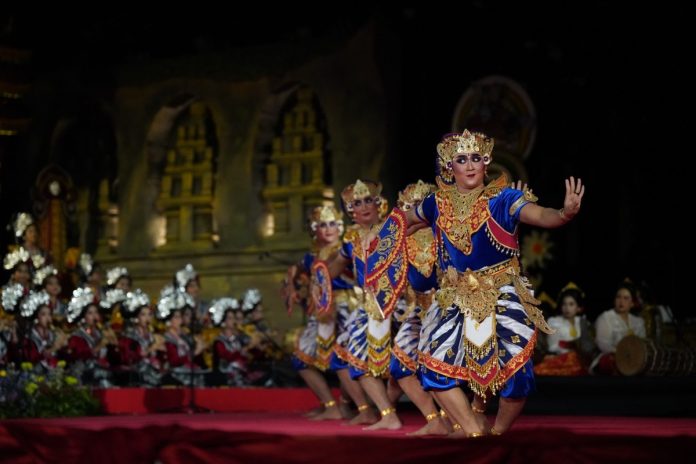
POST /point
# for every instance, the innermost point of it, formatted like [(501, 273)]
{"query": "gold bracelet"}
[(386, 412), (330, 404), (431, 417), (363, 407), (478, 410), (561, 213)]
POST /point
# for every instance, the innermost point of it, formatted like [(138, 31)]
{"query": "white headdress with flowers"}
[(220, 307), (184, 276), (20, 224), (113, 297), (177, 300), (136, 300), (20, 255), (81, 298), (11, 297), (114, 274), (86, 263), (34, 301), (43, 273), (251, 298)]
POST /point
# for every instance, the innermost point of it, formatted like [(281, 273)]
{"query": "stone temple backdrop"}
[(152, 141)]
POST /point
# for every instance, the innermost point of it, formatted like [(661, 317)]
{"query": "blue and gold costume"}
[(369, 344), (418, 296), (486, 325), (325, 326)]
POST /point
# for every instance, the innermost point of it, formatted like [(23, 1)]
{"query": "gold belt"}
[(475, 293)]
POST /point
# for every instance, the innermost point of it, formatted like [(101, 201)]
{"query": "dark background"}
[(608, 83)]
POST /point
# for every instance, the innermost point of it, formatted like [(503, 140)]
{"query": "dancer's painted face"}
[(469, 171), (327, 232), (365, 211)]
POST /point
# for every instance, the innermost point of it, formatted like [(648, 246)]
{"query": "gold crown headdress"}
[(326, 213), (413, 194), (455, 144), (572, 286)]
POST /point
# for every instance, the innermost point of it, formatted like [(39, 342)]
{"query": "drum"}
[(635, 355)]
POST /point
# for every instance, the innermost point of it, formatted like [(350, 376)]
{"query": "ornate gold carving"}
[(421, 250)]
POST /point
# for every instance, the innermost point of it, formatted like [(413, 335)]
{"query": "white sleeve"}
[(604, 337), (640, 327), (553, 339)]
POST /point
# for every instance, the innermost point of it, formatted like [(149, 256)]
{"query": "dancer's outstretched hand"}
[(573, 197)]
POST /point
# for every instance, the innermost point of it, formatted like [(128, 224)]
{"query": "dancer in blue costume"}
[(417, 300), (488, 321), (316, 345), (369, 345)]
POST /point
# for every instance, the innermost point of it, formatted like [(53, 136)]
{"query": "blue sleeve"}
[(347, 250), (308, 261), (500, 208), (427, 210)]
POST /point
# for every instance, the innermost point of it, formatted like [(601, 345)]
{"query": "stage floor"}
[(296, 424), (287, 437)]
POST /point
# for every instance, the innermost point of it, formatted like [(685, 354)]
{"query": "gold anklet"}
[(431, 417), (386, 412)]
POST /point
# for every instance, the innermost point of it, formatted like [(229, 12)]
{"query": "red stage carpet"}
[(153, 400), (277, 435)]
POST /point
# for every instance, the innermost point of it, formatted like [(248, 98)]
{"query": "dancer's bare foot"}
[(332, 413), (458, 433), (471, 430), (368, 416), (389, 421), (482, 422), (346, 412), (446, 421), (314, 412), (434, 427)]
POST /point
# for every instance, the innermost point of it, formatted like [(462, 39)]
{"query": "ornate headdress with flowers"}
[(219, 309)]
